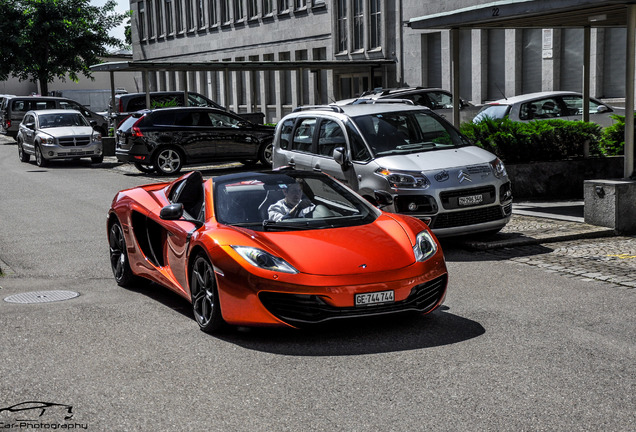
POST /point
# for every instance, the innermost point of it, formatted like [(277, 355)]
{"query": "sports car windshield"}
[(288, 202), (62, 120), (408, 132)]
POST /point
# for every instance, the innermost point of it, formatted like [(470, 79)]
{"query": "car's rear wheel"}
[(39, 158), (266, 153), (119, 256), (24, 157), (168, 161), (205, 296), (147, 169)]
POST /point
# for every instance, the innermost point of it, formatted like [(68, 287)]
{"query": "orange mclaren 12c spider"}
[(280, 248)]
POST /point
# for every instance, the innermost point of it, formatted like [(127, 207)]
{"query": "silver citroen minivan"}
[(404, 158)]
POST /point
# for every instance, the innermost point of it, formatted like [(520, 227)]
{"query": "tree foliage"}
[(49, 39)]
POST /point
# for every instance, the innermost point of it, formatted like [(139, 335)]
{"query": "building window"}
[(151, 29), (159, 16), (300, 4), (341, 30), (252, 8), (168, 10), (141, 19), (178, 10), (283, 6), (238, 10), (375, 25), (358, 25), (225, 11), (189, 15), (212, 11), (268, 7), (200, 14)]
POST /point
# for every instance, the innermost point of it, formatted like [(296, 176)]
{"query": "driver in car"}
[(292, 206)]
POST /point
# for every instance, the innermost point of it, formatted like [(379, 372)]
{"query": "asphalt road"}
[(515, 347)]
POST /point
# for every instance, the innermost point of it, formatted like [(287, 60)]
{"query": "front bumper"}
[(54, 151), (265, 298)]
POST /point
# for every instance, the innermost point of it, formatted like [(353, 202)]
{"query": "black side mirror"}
[(93, 123), (603, 109), (172, 212), (383, 198), (175, 212), (30, 126), (339, 155)]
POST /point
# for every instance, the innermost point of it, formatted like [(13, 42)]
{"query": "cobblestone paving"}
[(571, 248)]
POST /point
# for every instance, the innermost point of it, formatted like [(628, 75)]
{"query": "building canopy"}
[(517, 14)]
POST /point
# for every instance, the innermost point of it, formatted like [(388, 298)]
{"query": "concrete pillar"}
[(479, 47), (513, 62), (551, 59), (446, 59)]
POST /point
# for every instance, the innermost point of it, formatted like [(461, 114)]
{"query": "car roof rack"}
[(334, 108), (382, 101)]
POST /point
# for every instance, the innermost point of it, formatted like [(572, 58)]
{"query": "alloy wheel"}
[(117, 252), (168, 161), (205, 301)]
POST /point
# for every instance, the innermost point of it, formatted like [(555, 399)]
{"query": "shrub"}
[(612, 140), (543, 140)]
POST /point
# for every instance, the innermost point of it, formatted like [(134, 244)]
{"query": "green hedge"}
[(544, 140)]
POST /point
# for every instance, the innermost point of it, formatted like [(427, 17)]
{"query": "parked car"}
[(126, 104), (437, 99), (57, 134), (548, 105), (164, 140), (237, 266), (14, 108), (420, 163)]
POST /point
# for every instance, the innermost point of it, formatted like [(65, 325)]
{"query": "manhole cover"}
[(41, 296)]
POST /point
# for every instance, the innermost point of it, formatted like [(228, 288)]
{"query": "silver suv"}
[(405, 158)]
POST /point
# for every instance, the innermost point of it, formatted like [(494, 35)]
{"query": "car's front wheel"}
[(168, 161), (119, 256), (24, 157), (39, 158), (205, 295), (266, 153)]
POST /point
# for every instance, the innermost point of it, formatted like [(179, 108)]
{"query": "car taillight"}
[(136, 132), (8, 124), (121, 106)]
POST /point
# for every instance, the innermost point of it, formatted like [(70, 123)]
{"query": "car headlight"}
[(47, 140), (261, 259), (425, 247), (498, 168), (404, 179)]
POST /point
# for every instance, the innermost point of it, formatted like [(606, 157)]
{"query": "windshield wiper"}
[(283, 225)]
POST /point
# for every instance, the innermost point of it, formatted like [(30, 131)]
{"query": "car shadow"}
[(400, 332), (373, 335), (455, 251)]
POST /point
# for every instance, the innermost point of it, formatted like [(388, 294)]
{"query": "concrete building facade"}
[(493, 63)]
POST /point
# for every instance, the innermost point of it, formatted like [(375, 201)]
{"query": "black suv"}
[(164, 140)]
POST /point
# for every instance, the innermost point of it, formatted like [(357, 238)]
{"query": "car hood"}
[(67, 131), (437, 160), (377, 247)]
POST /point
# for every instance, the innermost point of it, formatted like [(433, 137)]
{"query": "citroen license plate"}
[(366, 299), (470, 200)]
